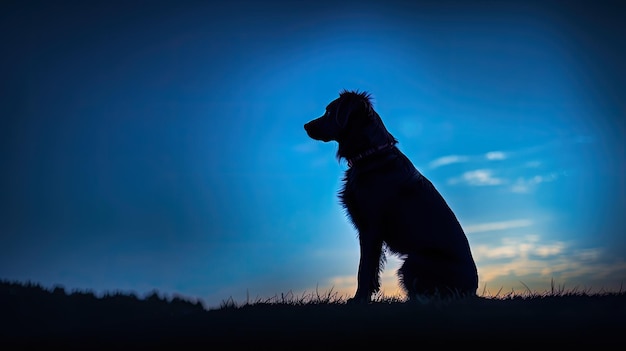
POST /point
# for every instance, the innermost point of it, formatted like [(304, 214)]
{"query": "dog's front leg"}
[(368, 279)]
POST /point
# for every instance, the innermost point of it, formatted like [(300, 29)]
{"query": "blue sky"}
[(160, 145)]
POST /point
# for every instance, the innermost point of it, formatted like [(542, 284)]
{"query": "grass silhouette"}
[(32, 314)]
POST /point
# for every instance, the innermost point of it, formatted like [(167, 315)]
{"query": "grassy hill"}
[(31, 314)]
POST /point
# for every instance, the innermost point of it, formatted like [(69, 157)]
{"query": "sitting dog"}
[(392, 205)]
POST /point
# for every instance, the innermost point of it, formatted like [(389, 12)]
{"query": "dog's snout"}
[(322, 128), (310, 130), (316, 131)]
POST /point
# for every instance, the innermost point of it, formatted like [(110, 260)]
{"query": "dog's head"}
[(349, 107), (352, 122)]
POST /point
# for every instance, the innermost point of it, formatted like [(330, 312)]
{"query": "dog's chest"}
[(364, 194), (369, 193)]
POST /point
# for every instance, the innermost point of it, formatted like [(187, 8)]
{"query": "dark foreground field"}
[(31, 314)]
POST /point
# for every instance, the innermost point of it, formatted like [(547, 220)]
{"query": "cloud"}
[(525, 185), (528, 260), (479, 177), (447, 160), (519, 248), (550, 250), (344, 285), (451, 159), (497, 252), (495, 155), (493, 226)]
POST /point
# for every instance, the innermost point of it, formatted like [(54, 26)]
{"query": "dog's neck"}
[(369, 152)]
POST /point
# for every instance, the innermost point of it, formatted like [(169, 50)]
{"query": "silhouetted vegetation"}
[(31, 314)]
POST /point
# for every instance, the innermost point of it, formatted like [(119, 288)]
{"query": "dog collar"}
[(369, 152)]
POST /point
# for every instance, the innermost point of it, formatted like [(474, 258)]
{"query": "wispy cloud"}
[(447, 160), (525, 185), (344, 285), (517, 247), (550, 250), (493, 226), (499, 155), (495, 155), (536, 263), (452, 159), (486, 177), (478, 177)]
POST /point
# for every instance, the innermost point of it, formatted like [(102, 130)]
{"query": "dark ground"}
[(31, 315)]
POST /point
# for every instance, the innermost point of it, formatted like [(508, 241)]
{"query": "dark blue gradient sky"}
[(159, 145)]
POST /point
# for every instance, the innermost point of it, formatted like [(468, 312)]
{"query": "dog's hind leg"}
[(422, 275), (407, 277)]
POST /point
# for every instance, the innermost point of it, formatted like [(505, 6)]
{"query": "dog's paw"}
[(358, 300)]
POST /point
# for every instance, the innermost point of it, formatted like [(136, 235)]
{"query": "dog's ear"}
[(346, 108)]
